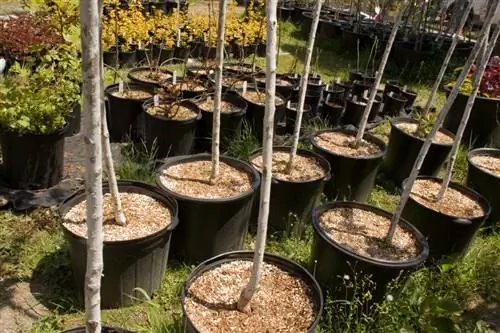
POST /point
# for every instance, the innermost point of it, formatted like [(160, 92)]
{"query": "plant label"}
[(295, 75), (319, 82), (405, 88), (327, 97), (288, 104), (244, 87), (209, 99), (174, 78), (120, 87), (156, 100), (354, 98), (337, 80), (139, 45)]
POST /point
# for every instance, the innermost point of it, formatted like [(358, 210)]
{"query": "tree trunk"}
[(303, 85), (379, 74), (446, 108), (458, 9), (478, 75), (91, 90), (265, 190), (218, 92)]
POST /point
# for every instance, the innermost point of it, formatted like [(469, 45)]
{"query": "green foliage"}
[(425, 123), (139, 164), (36, 98), (243, 145)]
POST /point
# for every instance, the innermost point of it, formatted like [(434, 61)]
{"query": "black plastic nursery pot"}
[(150, 83), (354, 111), (33, 161), (332, 111), (122, 112), (104, 329), (447, 235), (130, 264), (127, 58), (74, 120), (110, 58), (482, 123), (410, 96), (168, 137), (334, 92), (355, 76), (394, 104), (291, 116), (331, 260), (392, 86), (285, 264), (292, 200), (403, 149), (353, 176), (210, 227), (486, 183)]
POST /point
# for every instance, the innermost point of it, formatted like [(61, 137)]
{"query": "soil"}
[(172, 112), (133, 94), (339, 142), (190, 85), (454, 202), (283, 303), (440, 137), (226, 107), (145, 216), (259, 97), (233, 82), (488, 163), (191, 179), (151, 76), (305, 168), (363, 232)]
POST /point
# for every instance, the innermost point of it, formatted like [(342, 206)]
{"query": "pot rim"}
[(134, 86), (483, 151), (448, 88), (398, 120), (185, 102)]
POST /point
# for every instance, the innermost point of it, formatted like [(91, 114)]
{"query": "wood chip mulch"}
[(154, 76), (133, 94), (340, 143), (488, 163), (363, 232), (171, 111), (283, 303), (304, 169), (192, 179), (226, 107), (454, 202), (440, 137), (259, 98), (145, 216)]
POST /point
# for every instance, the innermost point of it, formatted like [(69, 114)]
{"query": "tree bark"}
[(218, 92), (91, 90), (265, 190), (478, 75), (303, 85), (446, 108), (379, 74)]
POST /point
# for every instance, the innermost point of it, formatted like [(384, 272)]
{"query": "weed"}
[(243, 145), (139, 164)]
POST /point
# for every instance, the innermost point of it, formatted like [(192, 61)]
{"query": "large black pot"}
[(447, 235), (210, 227), (331, 260), (354, 111), (130, 264), (482, 123), (168, 137), (33, 161), (403, 149), (332, 111), (353, 177), (122, 112), (486, 183), (394, 104), (291, 116), (104, 329), (285, 264), (292, 201)]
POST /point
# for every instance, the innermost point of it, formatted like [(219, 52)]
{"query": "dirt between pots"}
[(363, 232), (454, 202), (191, 179), (153, 76), (410, 128), (172, 112), (259, 98), (488, 163), (305, 168), (283, 303), (339, 142), (145, 216), (132, 94), (225, 106)]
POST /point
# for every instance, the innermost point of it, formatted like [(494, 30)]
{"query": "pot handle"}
[(462, 221)]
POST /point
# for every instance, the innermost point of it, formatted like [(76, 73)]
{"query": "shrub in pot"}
[(34, 107)]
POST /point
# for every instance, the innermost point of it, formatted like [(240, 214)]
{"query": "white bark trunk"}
[(218, 92), (449, 102), (478, 75), (379, 74), (303, 84), (265, 192), (91, 89)]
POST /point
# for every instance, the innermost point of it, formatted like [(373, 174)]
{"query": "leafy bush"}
[(490, 83)]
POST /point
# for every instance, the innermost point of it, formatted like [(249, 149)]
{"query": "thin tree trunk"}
[(457, 12), (478, 75), (303, 85), (265, 191), (91, 89), (379, 74), (449, 102), (218, 92)]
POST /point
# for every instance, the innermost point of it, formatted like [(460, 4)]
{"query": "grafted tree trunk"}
[(265, 189)]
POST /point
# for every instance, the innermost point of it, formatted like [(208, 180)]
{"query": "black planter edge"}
[(483, 151), (397, 120), (114, 87), (81, 329), (183, 101)]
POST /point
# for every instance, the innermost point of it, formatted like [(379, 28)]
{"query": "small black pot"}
[(394, 105), (208, 52), (354, 111), (33, 161), (355, 76), (74, 120), (122, 112), (210, 226), (291, 116), (403, 149), (347, 86), (127, 58), (136, 263), (292, 198), (334, 92), (353, 177), (110, 58), (485, 183), (332, 111), (329, 259), (392, 86), (168, 137), (410, 96), (447, 235), (147, 83), (104, 329), (285, 264)]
